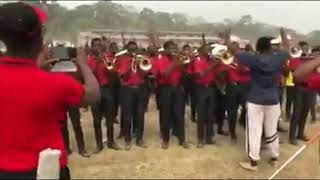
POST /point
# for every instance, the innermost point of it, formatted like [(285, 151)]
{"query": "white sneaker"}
[(248, 166)]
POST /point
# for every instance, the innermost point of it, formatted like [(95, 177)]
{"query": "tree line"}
[(64, 23)]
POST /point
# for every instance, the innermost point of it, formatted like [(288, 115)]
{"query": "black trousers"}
[(172, 109), (236, 96), (313, 103), (301, 107), (205, 104), (64, 174), (220, 109), (133, 102), (193, 100), (105, 108), (74, 114), (289, 101), (116, 84)]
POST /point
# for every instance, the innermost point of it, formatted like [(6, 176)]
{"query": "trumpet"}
[(111, 63), (221, 52), (295, 52), (141, 62)]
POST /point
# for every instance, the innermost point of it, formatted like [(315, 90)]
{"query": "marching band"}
[(216, 79)]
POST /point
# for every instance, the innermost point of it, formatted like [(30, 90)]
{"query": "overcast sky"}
[(300, 15)]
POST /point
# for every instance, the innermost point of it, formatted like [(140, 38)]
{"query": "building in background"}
[(144, 38)]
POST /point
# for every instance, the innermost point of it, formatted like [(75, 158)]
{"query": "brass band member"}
[(204, 78), (189, 86), (238, 79), (169, 72), (113, 49), (105, 107), (302, 100), (133, 96)]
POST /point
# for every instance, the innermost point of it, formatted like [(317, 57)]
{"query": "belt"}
[(205, 85), (237, 83), (171, 85), (133, 86), (105, 86)]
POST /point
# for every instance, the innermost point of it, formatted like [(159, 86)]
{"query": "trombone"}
[(142, 62)]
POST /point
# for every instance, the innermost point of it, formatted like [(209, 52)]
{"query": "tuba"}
[(295, 52), (221, 52), (141, 62)]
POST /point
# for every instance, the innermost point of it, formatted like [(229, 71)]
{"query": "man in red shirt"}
[(238, 79), (308, 73), (38, 113), (168, 71), (204, 79), (113, 49), (302, 100), (133, 96), (105, 107), (189, 86)]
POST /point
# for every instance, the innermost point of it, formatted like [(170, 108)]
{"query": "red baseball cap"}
[(23, 19), (43, 17)]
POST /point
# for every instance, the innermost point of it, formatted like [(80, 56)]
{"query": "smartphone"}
[(64, 54), (61, 53)]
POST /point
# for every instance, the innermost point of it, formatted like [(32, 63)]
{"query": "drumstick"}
[(313, 139)]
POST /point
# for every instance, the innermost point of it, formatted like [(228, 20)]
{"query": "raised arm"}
[(285, 40), (91, 86), (306, 68)]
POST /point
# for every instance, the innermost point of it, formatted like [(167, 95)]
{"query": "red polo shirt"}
[(134, 79), (161, 66), (99, 70), (294, 63), (200, 64), (109, 55), (313, 82), (240, 74), (32, 109)]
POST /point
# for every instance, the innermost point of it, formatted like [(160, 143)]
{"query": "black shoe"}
[(113, 145), (303, 138), (281, 129), (141, 144), (234, 138), (127, 146), (165, 145), (293, 142), (210, 142), (185, 145), (69, 151), (200, 144), (84, 154), (223, 133), (98, 150)]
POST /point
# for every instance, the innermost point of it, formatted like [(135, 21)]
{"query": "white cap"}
[(161, 49), (278, 40)]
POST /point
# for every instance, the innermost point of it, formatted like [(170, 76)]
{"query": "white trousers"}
[(262, 117)]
